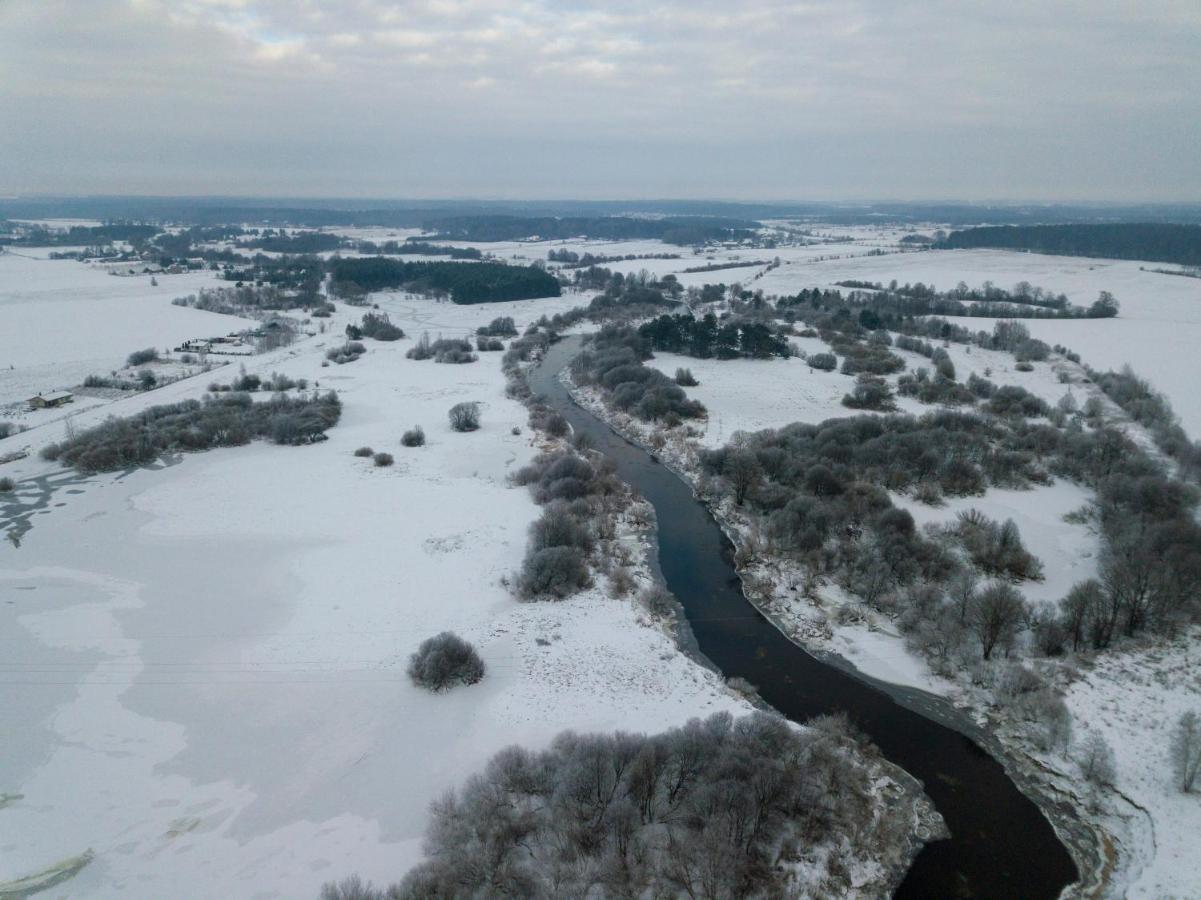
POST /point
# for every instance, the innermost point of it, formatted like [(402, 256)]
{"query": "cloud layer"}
[(756, 99)]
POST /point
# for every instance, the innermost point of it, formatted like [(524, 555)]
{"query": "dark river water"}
[(1001, 844)]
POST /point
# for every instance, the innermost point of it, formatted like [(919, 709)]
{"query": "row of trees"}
[(228, 420)]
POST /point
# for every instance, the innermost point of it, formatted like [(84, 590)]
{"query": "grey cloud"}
[(757, 99)]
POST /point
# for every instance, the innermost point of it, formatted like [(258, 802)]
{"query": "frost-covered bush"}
[(452, 350), (554, 572), (561, 526), (382, 460), (1012, 400), (348, 352), (557, 426), (141, 357), (823, 362), (464, 416), (364, 452), (938, 389), (7, 485), (444, 661), (229, 420), (981, 387), (380, 327), (9, 428), (501, 326), (414, 437), (423, 349), (996, 548), (870, 392), (719, 808), (488, 344), (685, 378), (658, 601)]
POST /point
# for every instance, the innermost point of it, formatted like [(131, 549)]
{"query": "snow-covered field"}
[(62, 320), (203, 672), (203, 662), (1157, 332), (1134, 699)]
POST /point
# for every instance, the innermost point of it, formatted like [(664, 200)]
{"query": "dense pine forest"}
[(466, 282), (1150, 241)]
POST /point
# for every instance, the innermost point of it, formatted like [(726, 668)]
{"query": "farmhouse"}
[(54, 398)]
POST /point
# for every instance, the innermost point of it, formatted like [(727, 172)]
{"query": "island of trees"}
[(465, 282)]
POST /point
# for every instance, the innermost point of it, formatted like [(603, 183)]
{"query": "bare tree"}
[(962, 591), (743, 471), (1096, 760), (995, 615), (1186, 750)]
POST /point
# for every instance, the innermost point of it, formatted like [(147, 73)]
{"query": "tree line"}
[(1156, 242), (683, 230)]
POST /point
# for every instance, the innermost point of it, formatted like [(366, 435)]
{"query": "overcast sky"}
[(742, 99)]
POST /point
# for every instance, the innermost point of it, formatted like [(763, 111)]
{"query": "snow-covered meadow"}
[(62, 320), (204, 661)]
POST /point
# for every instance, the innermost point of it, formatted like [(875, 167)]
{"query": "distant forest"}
[(680, 231), (87, 236), (1150, 241), (466, 282)]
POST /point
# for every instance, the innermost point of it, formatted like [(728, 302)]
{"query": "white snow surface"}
[(62, 320), (1157, 331), (1134, 698), (203, 675)]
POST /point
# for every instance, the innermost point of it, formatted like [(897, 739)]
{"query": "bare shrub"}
[(621, 582), (383, 460), (351, 888), (1096, 760), (422, 349), (444, 661), (7, 485), (464, 416), (414, 437), (557, 426), (685, 378), (658, 601), (348, 352), (364, 452)]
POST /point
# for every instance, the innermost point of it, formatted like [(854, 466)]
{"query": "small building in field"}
[(54, 398)]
